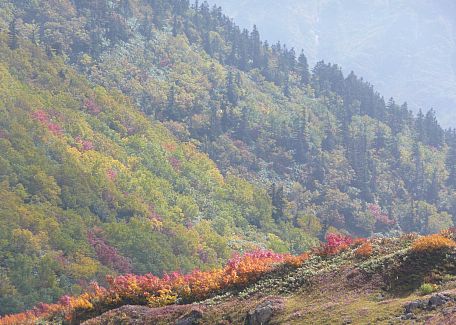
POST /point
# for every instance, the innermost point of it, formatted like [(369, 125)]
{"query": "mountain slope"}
[(406, 48), (152, 136), (91, 187), (378, 281), (381, 288)]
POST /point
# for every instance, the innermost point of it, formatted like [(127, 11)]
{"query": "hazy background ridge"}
[(407, 48)]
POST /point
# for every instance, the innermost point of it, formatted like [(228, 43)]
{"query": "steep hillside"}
[(152, 136), (328, 148), (89, 187), (381, 281), (406, 48)]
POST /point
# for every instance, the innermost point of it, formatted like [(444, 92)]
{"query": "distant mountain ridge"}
[(407, 49)]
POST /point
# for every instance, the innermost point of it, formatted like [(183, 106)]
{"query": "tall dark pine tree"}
[(302, 141), (380, 139), (419, 126), (434, 132), (231, 89), (394, 116), (207, 43), (243, 130), (244, 50), (278, 203), (172, 111), (215, 124), (255, 47), (175, 26), (303, 69), (361, 165), (330, 140), (13, 39), (286, 87)]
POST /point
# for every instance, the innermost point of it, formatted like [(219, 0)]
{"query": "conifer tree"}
[(13, 39), (256, 47), (303, 69), (302, 139), (419, 126), (278, 203), (434, 132)]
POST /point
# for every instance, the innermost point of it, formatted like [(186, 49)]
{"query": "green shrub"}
[(427, 288)]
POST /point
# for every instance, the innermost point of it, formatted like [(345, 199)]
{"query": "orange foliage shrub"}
[(156, 292), (365, 250), (432, 242)]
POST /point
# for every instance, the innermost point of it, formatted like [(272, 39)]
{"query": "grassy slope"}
[(336, 290)]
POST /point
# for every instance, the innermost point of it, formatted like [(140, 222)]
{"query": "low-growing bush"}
[(335, 243), (427, 288), (365, 250)]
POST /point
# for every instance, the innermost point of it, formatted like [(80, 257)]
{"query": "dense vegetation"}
[(240, 275), (107, 107)]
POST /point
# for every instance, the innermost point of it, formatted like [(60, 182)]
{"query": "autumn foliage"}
[(432, 242), (155, 291), (335, 243), (107, 254), (43, 118), (365, 250)]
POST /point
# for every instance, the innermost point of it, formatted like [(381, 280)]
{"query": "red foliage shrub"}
[(175, 163), (43, 117), (54, 128), (335, 243), (85, 145), (379, 215), (91, 106), (111, 174), (107, 254)]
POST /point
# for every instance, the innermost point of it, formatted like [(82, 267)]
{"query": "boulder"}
[(263, 313), (412, 306), (437, 300)]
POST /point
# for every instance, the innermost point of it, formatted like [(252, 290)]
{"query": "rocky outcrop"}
[(431, 303), (264, 312)]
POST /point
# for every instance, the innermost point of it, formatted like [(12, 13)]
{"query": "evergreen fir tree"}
[(256, 47), (303, 69), (13, 39), (278, 203)]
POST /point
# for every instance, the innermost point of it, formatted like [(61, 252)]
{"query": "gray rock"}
[(408, 316), (437, 300), (412, 306), (192, 318), (262, 314)]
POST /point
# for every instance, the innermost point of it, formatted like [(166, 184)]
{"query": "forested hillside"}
[(386, 42), (150, 136)]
